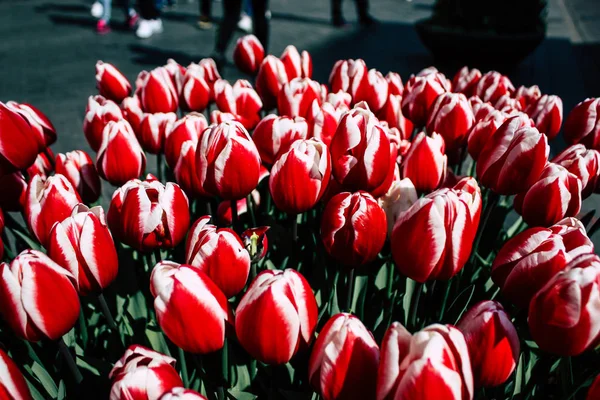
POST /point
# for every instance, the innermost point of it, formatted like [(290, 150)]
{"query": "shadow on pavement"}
[(154, 56)]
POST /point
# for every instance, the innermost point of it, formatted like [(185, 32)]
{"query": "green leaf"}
[(45, 379), (157, 340), (34, 392), (62, 390), (242, 395), (410, 289), (243, 381)]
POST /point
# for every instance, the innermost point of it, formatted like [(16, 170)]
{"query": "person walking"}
[(362, 9), (205, 20), (150, 22), (103, 9)]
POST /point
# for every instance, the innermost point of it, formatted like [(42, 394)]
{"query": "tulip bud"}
[(492, 341), (195, 92), (42, 165), (452, 117), (492, 86), (527, 95), (466, 80), (190, 308), (344, 72), (147, 214), (152, 132), (37, 297), (211, 74), (19, 142), (426, 161), (133, 113), (12, 382), (120, 157), (323, 120), (564, 315), (547, 113), (78, 167), (371, 88), (274, 135), (156, 91), (190, 127), (353, 228), (449, 219), (296, 97), (594, 389), (37, 120), (392, 114), (82, 245), (179, 393), (556, 195), (256, 242), (185, 171), (227, 161), (583, 163), (98, 113), (433, 363), (111, 83), (583, 124), (14, 188), (240, 99), (395, 85), (508, 104), (513, 158), (400, 196), (48, 201), (284, 302), (574, 237), (296, 65), (143, 374), (344, 359), (300, 176), (225, 213), (248, 54), (420, 93), (176, 72), (481, 132), (270, 79)]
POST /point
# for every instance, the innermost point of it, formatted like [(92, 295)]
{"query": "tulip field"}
[(370, 237)]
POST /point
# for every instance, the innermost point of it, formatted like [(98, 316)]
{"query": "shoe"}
[(204, 23), (368, 21), (148, 27), (97, 10), (102, 27), (339, 22), (132, 21), (245, 23)]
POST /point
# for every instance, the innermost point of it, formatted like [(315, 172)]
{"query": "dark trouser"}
[(231, 11), (362, 9), (149, 9), (205, 6)]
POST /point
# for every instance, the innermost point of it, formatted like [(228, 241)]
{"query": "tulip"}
[(323, 120), (420, 93), (400, 196), (530, 259), (426, 161), (12, 382), (360, 151), (583, 163), (492, 341), (227, 161), (448, 221), (344, 72), (37, 297), (147, 214), (433, 363), (240, 100), (190, 127), (296, 65), (1, 230), (48, 201), (513, 158), (344, 359), (248, 54), (274, 135), (492, 86), (82, 245), (452, 117), (190, 307), (583, 124), (156, 91), (216, 117), (176, 72), (211, 74), (353, 228), (270, 79), (480, 109), (152, 132), (143, 374), (14, 188), (339, 100), (277, 301), (43, 165), (556, 195), (179, 393), (196, 91), (111, 83), (120, 157), (77, 166), (508, 104), (392, 114), (594, 389), (564, 315), (466, 80), (395, 85), (527, 95), (300, 176), (482, 130), (256, 242), (132, 111), (19, 142), (37, 120), (296, 97), (547, 113), (225, 212), (98, 113), (372, 88), (185, 172)]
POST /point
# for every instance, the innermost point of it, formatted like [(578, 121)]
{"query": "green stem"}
[(390, 280), (414, 305), (107, 314), (83, 328), (223, 386), (472, 169), (64, 351), (250, 206), (350, 294), (159, 167), (445, 300), (184, 371), (492, 201)]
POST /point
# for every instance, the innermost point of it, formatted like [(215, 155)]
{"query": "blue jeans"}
[(107, 5)]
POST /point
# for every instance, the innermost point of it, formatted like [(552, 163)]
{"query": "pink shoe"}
[(132, 21), (102, 27)]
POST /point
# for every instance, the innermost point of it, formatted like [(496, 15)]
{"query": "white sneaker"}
[(97, 10), (245, 23), (148, 27)]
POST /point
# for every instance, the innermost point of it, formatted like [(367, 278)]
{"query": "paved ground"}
[(49, 48)]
